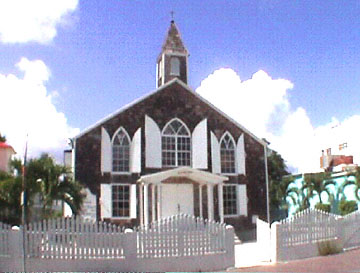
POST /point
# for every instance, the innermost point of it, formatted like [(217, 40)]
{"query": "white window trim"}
[(112, 142), (121, 217), (176, 136), (235, 156), (237, 200)]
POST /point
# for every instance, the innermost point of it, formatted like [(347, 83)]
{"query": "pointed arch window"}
[(227, 154), (176, 144), (121, 151)]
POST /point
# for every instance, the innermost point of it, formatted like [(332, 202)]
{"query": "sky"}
[(289, 71)]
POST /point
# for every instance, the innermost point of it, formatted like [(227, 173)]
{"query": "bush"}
[(323, 207), (346, 207), (329, 247)]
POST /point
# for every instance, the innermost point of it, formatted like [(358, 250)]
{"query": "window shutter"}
[(106, 201), (199, 146), (215, 154), (135, 152), (105, 151), (240, 155), (133, 201), (152, 144), (242, 200)]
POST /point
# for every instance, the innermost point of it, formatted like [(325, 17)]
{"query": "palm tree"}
[(316, 184), (336, 198), (279, 191), (49, 180), (348, 182)]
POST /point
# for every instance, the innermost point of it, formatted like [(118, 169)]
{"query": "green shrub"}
[(346, 207), (323, 207), (329, 247)]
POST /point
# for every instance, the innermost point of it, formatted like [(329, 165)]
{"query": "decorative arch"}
[(121, 151), (227, 154), (176, 144)]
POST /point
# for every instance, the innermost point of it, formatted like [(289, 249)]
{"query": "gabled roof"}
[(186, 87), (202, 177), (173, 42)]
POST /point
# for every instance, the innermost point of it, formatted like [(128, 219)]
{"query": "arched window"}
[(227, 154), (175, 66), (121, 151), (176, 146)]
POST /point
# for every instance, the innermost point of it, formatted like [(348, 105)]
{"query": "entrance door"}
[(176, 199)]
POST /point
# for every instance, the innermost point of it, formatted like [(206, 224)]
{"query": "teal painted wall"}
[(349, 193)]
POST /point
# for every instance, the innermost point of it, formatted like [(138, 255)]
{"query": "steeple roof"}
[(173, 40)]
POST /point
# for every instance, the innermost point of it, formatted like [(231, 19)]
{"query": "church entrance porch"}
[(177, 199), (180, 191)]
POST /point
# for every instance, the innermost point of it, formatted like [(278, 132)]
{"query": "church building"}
[(172, 152)]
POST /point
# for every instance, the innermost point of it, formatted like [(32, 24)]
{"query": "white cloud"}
[(251, 102), (24, 21), (26, 107), (261, 105)]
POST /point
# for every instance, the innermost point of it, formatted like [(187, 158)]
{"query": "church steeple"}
[(173, 59)]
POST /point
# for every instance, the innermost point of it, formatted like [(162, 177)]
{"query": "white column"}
[(146, 204), (210, 198), (200, 201), (153, 202), (141, 196), (221, 202), (159, 188)]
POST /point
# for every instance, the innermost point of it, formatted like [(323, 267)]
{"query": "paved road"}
[(344, 262)]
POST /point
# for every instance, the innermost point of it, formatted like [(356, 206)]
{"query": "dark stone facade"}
[(172, 100)]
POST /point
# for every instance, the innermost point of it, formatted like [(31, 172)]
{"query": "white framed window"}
[(175, 66), (227, 154), (120, 201), (176, 144), (121, 152), (230, 200)]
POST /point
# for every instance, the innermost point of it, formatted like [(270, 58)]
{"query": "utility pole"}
[(24, 205)]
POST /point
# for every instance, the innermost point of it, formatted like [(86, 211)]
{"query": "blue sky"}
[(104, 52)]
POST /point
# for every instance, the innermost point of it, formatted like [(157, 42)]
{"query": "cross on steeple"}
[(172, 15), (172, 61)]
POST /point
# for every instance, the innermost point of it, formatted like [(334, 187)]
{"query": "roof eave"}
[(122, 109)]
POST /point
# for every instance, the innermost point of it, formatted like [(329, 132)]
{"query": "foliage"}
[(16, 166), (44, 179), (346, 207), (348, 182), (329, 247), (10, 192), (2, 138), (316, 184), (278, 184), (323, 207), (48, 179)]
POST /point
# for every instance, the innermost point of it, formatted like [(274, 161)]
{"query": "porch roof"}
[(202, 177)]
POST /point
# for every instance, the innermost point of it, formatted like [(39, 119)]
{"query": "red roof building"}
[(6, 152)]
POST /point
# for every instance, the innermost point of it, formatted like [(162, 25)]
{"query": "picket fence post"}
[(230, 245), (274, 241), (130, 247)]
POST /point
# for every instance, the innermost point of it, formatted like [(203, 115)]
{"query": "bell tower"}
[(173, 59)]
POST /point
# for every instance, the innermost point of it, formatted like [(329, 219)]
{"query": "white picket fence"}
[(4, 240), (178, 243), (300, 236)]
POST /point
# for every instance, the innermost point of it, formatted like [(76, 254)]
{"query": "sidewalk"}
[(344, 262), (251, 254)]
